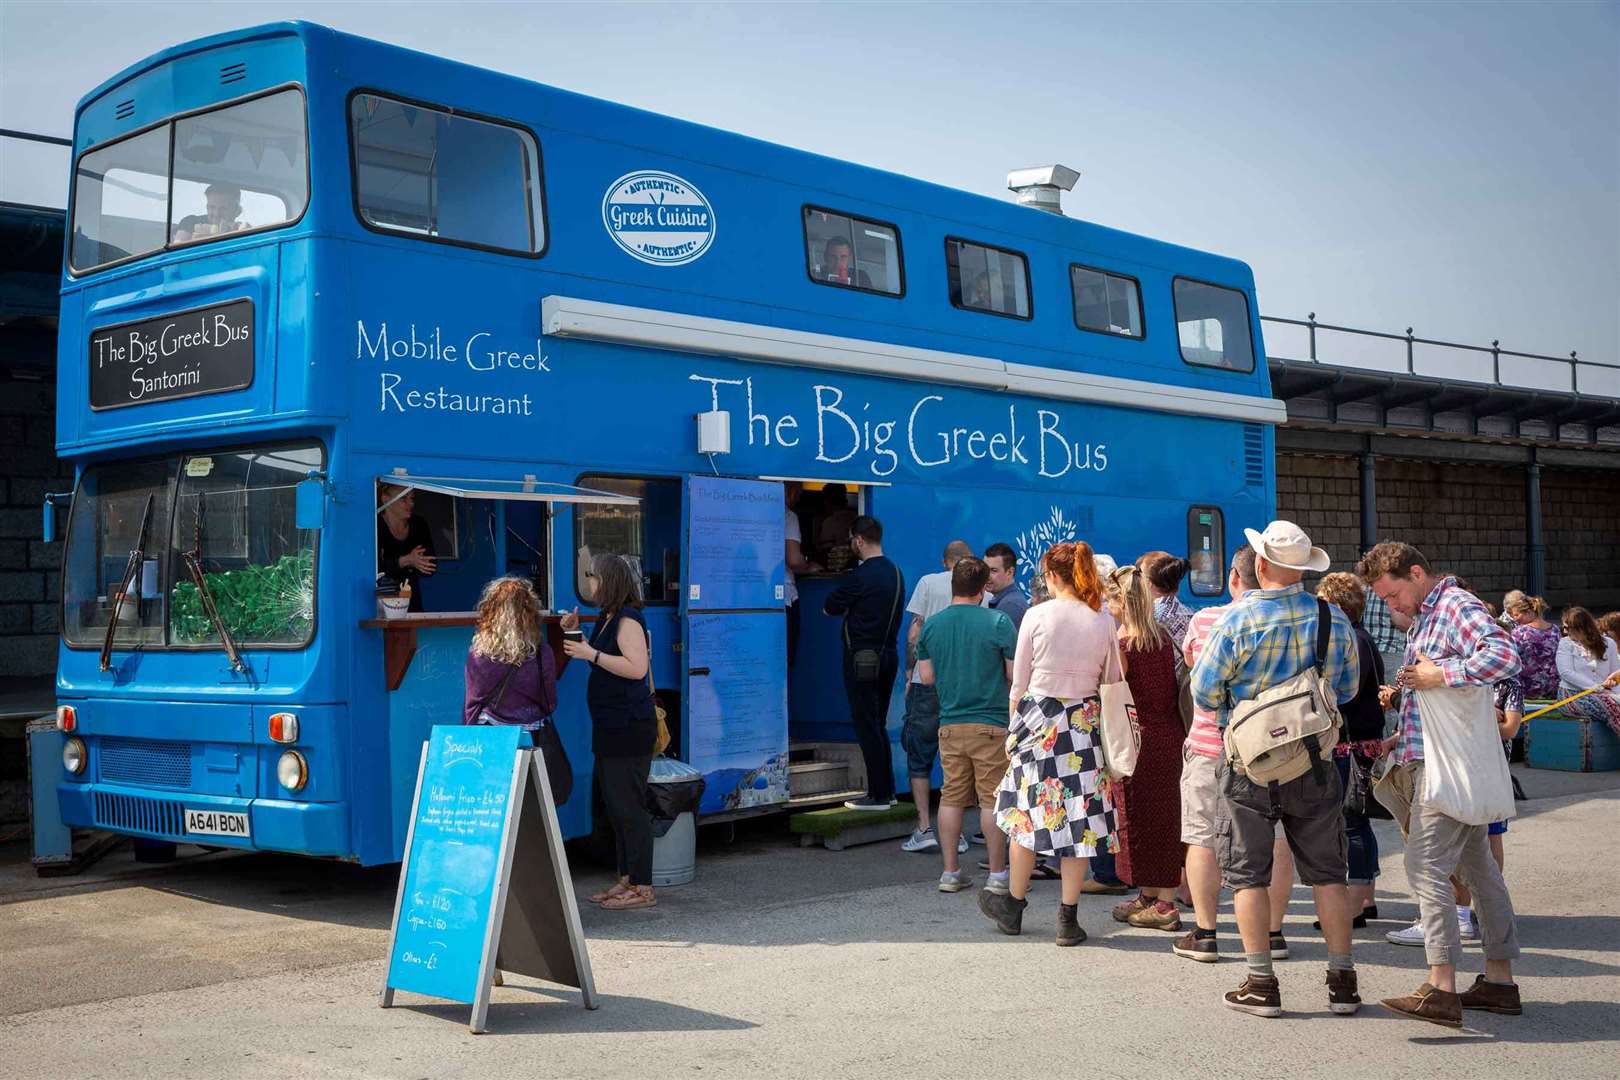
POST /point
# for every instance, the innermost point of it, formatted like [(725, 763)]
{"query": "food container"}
[(392, 607)]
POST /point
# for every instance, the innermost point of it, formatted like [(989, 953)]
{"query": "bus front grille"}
[(132, 813), (146, 761)]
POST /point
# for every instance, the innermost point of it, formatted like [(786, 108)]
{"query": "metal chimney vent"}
[(1042, 187)]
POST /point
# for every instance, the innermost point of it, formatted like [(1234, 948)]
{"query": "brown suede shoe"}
[(1123, 912), (1493, 997), (1093, 887), (1428, 1003), (1161, 915)]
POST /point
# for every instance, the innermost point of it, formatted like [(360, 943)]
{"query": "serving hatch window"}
[(1106, 303), (1212, 324), (441, 175), (988, 279), (647, 534), (852, 252)]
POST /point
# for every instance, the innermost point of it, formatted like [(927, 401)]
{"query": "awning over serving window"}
[(527, 489)]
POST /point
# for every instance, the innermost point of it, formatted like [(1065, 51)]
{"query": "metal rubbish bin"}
[(675, 790)]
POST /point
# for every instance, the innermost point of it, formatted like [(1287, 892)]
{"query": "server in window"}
[(405, 552), (838, 265), (223, 214)]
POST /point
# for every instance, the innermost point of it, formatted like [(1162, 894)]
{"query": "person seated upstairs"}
[(223, 203), (838, 265)]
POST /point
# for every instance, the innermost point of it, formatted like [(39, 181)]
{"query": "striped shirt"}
[(1174, 616), (1455, 631), (1266, 640), (1204, 737)]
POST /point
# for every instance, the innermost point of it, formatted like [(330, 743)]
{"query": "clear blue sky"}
[(1454, 167)]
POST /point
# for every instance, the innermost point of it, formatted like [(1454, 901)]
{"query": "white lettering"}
[(822, 409)]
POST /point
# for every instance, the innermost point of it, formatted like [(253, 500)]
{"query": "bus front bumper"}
[(304, 828)]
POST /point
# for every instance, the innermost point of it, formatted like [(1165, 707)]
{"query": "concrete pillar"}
[(1369, 500), (1535, 551)]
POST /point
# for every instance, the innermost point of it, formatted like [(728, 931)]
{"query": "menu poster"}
[(736, 715), (462, 914), (734, 540)]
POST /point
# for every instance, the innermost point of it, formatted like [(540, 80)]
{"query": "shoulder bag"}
[(559, 771), (1288, 729), (1121, 733), (1465, 774), (661, 743), (868, 663)]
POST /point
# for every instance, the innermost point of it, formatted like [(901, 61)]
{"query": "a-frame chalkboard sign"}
[(485, 885)]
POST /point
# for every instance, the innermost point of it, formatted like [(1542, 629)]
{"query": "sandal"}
[(1045, 871), (618, 888), (636, 896)]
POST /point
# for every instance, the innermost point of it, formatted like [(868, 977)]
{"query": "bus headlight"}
[(74, 756), (292, 771)]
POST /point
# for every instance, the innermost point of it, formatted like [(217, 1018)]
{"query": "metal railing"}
[(1412, 343)]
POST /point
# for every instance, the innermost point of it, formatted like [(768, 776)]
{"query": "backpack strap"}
[(1324, 630)]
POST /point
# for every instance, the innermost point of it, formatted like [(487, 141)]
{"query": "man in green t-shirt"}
[(966, 653)]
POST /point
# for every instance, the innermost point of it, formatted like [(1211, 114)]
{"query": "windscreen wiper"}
[(130, 580), (193, 561)]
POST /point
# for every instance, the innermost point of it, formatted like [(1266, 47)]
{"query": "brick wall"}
[(1580, 520), (30, 569), (1468, 519), (1322, 495)]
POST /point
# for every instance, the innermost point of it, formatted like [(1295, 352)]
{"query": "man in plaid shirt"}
[(1453, 643), (1260, 643)]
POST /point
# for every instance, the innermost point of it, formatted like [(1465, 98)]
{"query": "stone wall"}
[(1468, 519), (30, 569), (1580, 520), (1322, 495)]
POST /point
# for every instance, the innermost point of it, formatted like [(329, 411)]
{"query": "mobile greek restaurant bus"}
[(308, 273)]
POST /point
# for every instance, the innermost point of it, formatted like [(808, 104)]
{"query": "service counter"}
[(404, 634)]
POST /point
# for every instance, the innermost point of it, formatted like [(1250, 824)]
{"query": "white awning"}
[(527, 489)]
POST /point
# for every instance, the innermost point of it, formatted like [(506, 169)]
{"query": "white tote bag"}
[(1465, 773), (1121, 734)]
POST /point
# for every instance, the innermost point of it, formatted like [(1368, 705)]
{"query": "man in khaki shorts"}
[(966, 653)]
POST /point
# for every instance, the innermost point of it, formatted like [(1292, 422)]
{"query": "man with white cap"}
[(1269, 639)]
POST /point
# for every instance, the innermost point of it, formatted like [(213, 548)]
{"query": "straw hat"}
[(1285, 544)]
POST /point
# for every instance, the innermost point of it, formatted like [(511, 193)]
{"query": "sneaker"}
[(1412, 935), (1357, 923), (996, 883), (1123, 912), (984, 864), (1093, 887), (954, 881), (961, 845), (977, 838), (1004, 911), (1428, 1003), (866, 802), (1259, 995), (1467, 925), (1342, 996), (1492, 997), (1279, 946), (1193, 947), (1068, 926), (919, 840), (1160, 915)]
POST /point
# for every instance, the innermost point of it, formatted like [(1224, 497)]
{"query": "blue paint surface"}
[(461, 817)]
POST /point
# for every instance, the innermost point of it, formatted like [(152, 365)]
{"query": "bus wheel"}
[(154, 851)]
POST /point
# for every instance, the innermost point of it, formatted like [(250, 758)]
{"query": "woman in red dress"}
[(1148, 802)]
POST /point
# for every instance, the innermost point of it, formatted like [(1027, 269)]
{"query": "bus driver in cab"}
[(223, 204)]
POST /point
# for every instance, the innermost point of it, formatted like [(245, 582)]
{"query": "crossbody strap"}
[(1324, 628), (894, 615), (500, 691)]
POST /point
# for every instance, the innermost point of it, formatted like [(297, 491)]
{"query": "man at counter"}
[(870, 604), (404, 542)]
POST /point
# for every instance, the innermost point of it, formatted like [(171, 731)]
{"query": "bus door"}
[(735, 642)]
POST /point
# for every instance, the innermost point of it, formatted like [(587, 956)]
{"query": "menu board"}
[(736, 714), (203, 351), (457, 844), (734, 543)]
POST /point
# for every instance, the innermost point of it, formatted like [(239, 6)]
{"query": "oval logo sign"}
[(658, 218)]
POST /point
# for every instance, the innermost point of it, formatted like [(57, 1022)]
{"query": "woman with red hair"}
[(1056, 798)]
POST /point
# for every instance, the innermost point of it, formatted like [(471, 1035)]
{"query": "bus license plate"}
[(216, 823)]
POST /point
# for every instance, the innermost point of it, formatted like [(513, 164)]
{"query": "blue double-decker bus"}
[(309, 276)]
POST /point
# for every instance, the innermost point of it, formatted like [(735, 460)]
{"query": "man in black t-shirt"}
[(870, 604)]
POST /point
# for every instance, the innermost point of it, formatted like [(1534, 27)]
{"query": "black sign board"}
[(203, 351)]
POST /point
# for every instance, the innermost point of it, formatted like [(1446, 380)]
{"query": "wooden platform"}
[(839, 827)]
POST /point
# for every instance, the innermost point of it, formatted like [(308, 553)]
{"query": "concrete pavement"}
[(780, 962)]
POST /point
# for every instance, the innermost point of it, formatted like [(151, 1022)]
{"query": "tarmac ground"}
[(780, 962)]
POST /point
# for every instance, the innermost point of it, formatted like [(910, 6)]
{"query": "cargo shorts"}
[(1311, 812), (974, 759), (1200, 798)]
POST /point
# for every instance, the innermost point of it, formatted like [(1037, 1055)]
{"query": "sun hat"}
[(1285, 544), (1105, 564)]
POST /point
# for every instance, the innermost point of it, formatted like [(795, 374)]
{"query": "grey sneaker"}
[(996, 883), (961, 845), (954, 881), (920, 840)]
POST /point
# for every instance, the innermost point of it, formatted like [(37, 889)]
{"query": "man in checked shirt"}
[(1453, 642)]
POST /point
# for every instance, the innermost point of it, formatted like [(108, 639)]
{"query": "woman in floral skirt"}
[(1056, 798)]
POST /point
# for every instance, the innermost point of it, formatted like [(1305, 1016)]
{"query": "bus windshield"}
[(234, 509), (235, 169)]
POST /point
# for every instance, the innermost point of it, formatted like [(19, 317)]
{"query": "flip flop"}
[(618, 888), (630, 900), (1045, 872)]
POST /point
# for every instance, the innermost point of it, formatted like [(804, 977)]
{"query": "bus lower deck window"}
[(1206, 550)]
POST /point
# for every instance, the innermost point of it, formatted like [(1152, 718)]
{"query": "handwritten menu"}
[(734, 543), (737, 713), (450, 870)]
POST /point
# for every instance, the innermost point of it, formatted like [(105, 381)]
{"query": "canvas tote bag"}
[(1465, 773), (1121, 734)]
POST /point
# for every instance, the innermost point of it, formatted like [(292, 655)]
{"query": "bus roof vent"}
[(1042, 187), (124, 109), (232, 73)]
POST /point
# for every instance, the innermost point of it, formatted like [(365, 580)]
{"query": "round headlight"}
[(74, 756), (292, 771)]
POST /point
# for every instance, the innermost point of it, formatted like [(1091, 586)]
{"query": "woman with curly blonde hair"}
[(511, 679), (1056, 798)]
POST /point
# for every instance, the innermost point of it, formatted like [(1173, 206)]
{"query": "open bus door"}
[(735, 642)]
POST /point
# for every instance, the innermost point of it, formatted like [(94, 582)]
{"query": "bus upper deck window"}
[(445, 176), (239, 168), (1206, 550), (852, 252), (988, 279), (120, 196), (1106, 303), (1213, 325)]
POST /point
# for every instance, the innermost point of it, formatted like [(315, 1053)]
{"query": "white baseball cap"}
[(1285, 544)]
